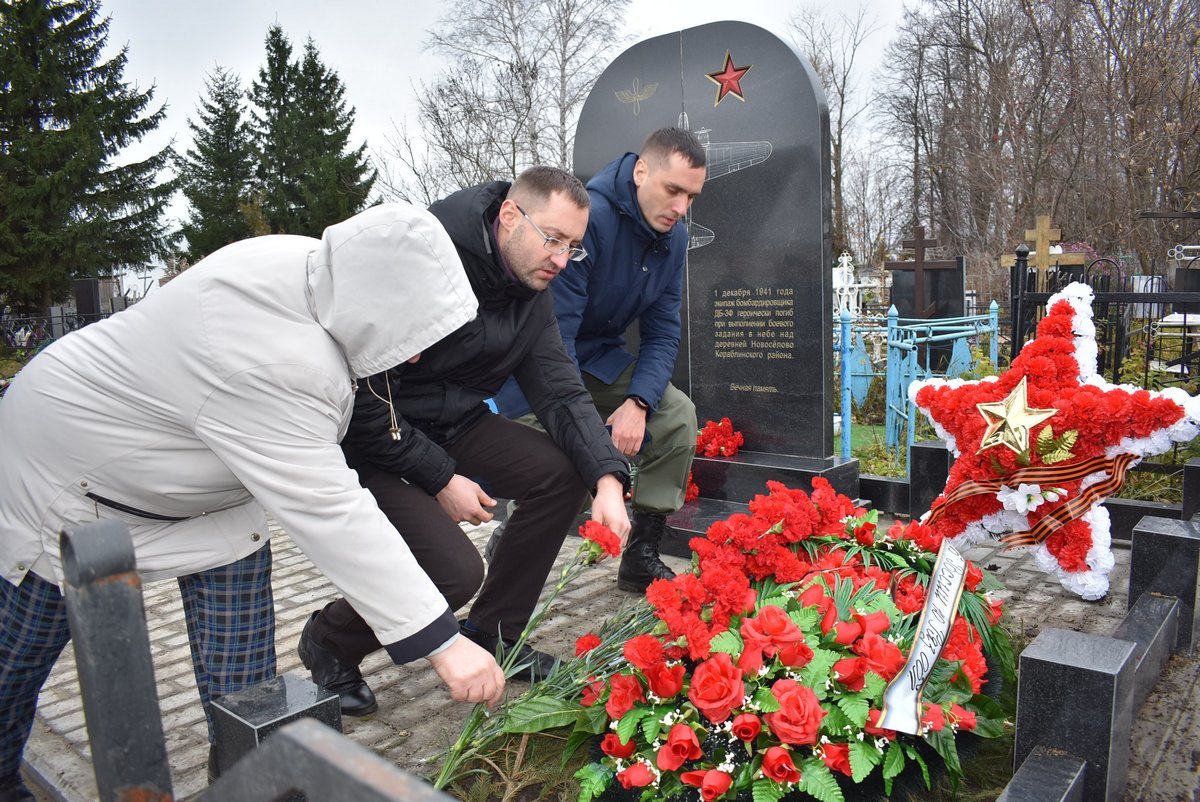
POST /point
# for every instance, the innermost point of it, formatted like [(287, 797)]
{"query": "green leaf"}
[(766, 790), (893, 761), (818, 669), (855, 707), (765, 700), (540, 713), (806, 618), (628, 724), (728, 642), (592, 719), (835, 721), (576, 739), (775, 601), (652, 725), (943, 743), (593, 779), (873, 686), (989, 716), (818, 781), (863, 758)]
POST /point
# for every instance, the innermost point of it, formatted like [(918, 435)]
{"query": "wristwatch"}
[(641, 402)]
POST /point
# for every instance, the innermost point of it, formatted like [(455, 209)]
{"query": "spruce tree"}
[(278, 170), (308, 177), (336, 180), (217, 172), (67, 210)]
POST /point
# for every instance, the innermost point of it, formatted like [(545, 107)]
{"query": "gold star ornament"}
[(1009, 421)]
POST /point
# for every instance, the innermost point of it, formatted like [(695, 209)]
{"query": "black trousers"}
[(510, 461)]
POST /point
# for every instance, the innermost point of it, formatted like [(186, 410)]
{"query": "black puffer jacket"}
[(442, 395)]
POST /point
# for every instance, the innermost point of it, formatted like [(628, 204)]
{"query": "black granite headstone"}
[(758, 317), (1166, 560)]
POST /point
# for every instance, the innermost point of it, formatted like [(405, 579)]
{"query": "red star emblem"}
[(729, 79), (1070, 438)]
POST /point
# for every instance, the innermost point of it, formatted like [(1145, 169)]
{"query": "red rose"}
[(665, 681), (777, 764), (746, 727), (717, 687), (625, 692), (865, 534), (585, 644), (681, 746), (638, 775), (877, 622), (613, 746), (851, 672), (643, 651), (879, 655), (847, 632), (712, 783), (872, 727), (768, 633), (816, 596), (799, 716), (837, 757)]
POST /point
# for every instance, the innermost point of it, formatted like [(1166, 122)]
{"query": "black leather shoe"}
[(640, 563), (347, 682), (532, 665), (13, 789)]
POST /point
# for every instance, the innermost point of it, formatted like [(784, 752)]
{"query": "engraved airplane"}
[(723, 158)]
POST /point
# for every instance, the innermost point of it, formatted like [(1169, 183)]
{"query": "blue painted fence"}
[(906, 338)]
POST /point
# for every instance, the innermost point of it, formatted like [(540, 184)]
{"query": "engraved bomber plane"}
[(723, 158)]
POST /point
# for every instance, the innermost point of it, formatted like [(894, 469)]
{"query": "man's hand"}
[(628, 424), (608, 507), (470, 673), (464, 500)]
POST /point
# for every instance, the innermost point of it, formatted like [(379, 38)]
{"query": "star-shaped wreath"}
[(1040, 447)]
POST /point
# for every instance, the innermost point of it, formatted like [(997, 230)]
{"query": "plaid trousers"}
[(231, 630)]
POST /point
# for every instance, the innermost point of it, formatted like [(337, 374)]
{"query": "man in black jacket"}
[(421, 437)]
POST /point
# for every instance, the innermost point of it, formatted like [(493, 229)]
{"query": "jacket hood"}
[(468, 215), (615, 184), (387, 284)]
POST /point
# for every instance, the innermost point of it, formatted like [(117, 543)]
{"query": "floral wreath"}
[(1039, 447)]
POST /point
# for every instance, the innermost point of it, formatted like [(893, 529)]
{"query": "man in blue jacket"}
[(636, 245)]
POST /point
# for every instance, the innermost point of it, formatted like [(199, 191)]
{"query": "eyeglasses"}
[(553, 244)]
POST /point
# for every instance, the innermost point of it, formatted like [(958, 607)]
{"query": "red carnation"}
[(643, 651), (586, 643), (602, 536)]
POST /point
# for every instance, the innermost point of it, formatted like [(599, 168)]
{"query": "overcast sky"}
[(376, 47)]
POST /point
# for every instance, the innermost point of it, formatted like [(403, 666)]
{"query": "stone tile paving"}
[(417, 718)]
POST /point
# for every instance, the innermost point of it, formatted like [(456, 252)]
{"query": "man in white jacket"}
[(224, 393)]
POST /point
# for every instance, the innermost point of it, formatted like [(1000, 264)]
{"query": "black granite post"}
[(928, 467), (1152, 625), (1191, 489), (1047, 775), (1166, 561), (1076, 695), (242, 720)]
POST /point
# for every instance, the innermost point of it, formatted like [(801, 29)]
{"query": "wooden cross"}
[(918, 265), (1042, 238)]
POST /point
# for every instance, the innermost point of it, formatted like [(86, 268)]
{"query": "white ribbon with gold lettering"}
[(902, 699)]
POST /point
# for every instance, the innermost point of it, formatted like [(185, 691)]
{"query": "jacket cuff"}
[(437, 483), (426, 641)]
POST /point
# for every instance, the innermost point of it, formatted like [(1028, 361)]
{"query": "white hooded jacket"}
[(227, 389)]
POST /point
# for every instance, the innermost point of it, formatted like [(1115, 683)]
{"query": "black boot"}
[(640, 563), (347, 682)]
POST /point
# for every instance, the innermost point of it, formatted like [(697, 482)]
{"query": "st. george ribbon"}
[(902, 699)]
